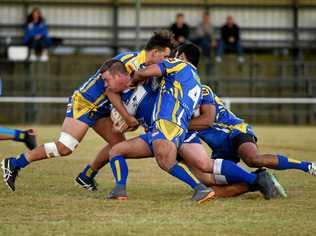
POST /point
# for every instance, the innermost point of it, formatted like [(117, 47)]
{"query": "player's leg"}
[(164, 139), (225, 171), (219, 184), (131, 149), (103, 127), (249, 153), (26, 136), (72, 132)]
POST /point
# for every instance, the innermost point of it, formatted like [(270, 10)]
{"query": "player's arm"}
[(116, 101), (146, 73), (205, 119)]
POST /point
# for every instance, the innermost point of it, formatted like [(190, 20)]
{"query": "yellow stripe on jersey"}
[(178, 86), (177, 90), (169, 129), (126, 57), (219, 101), (242, 127), (175, 110), (186, 169), (176, 68)]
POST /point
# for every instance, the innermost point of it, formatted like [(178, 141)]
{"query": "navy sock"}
[(119, 169), (182, 172), (20, 162), (285, 163), (88, 172), (236, 174)]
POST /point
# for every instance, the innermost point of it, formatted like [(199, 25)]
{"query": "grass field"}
[(47, 202)]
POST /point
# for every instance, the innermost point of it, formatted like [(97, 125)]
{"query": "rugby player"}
[(157, 48), (88, 107), (230, 138), (28, 137)]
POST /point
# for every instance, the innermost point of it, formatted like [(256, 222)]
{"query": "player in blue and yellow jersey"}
[(157, 48), (232, 139), (28, 137), (88, 107)]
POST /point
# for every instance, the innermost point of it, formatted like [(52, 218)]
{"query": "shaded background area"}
[(278, 38)]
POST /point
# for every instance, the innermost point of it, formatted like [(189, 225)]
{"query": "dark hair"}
[(191, 51), (29, 18), (161, 40), (180, 15), (114, 67)]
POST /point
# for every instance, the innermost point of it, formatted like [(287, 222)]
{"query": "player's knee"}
[(203, 165), (62, 149), (162, 163), (65, 145), (115, 150)]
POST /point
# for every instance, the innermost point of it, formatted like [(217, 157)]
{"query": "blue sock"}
[(119, 169), (182, 172), (20, 162), (285, 163), (17, 135), (236, 174), (88, 172)]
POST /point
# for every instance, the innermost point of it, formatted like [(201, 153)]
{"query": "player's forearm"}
[(116, 101), (205, 120), (199, 123), (148, 72)]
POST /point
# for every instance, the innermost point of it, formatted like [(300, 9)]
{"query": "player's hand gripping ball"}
[(119, 124)]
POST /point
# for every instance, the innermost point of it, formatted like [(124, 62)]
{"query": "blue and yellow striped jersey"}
[(94, 88), (180, 92), (224, 117)]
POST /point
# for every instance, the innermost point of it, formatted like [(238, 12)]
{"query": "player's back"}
[(180, 91), (224, 117)]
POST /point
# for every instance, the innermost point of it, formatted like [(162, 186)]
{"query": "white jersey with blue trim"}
[(140, 101)]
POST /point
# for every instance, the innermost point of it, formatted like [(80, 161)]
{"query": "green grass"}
[(47, 202)]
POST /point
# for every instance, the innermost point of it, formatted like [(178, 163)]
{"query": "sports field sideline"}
[(46, 201)]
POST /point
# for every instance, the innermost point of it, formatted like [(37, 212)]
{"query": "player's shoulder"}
[(206, 90), (173, 65), (125, 56)]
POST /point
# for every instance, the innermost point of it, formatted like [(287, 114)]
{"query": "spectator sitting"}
[(230, 38), (180, 29), (36, 36), (203, 38)]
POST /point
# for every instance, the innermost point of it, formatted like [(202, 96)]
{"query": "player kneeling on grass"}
[(142, 147), (27, 137), (88, 107)]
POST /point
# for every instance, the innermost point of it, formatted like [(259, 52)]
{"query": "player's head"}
[(189, 52), (115, 75), (159, 46)]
